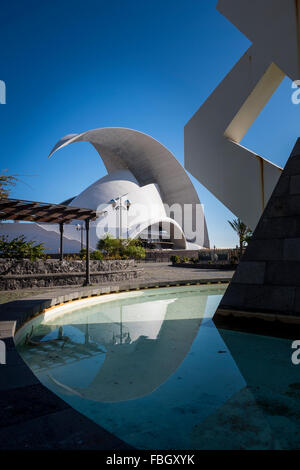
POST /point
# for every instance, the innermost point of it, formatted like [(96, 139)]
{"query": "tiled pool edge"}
[(32, 417)]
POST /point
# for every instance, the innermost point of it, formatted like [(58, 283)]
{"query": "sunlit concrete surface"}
[(150, 175), (242, 180)]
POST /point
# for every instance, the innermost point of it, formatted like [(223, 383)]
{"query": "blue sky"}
[(70, 66)]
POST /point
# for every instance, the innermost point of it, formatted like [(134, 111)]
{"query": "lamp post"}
[(81, 228), (123, 335), (118, 204)]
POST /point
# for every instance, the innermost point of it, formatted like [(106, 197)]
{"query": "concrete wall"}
[(242, 180)]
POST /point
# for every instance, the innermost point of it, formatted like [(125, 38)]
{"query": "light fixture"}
[(113, 202)]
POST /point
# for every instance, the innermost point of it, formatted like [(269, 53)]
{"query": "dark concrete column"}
[(87, 272), (61, 251), (160, 237), (267, 280)]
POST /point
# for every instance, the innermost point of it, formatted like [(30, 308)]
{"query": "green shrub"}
[(82, 253), (19, 248), (110, 246), (175, 259), (73, 257), (97, 255), (121, 248), (135, 252)]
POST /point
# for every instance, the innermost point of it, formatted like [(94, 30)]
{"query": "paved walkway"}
[(31, 416), (165, 271), (153, 272)]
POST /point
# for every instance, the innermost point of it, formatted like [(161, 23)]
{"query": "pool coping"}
[(258, 322), (49, 422)]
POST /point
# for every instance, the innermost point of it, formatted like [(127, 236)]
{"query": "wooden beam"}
[(8, 203), (20, 213), (58, 217), (17, 209)]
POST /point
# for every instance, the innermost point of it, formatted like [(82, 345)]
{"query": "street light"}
[(118, 204), (81, 228), (113, 202), (124, 336)]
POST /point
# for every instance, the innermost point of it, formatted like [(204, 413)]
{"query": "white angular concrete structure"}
[(242, 180), (142, 171)]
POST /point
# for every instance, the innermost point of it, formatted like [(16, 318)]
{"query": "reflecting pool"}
[(151, 367)]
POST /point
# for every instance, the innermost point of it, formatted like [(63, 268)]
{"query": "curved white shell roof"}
[(114, 184), (147, 160)]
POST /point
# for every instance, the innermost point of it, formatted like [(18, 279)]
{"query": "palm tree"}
[(6, 182), (244, 233)]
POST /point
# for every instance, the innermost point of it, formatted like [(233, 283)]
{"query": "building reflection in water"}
[(120, 351)]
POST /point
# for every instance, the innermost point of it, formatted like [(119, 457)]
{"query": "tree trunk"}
[(241, 248)]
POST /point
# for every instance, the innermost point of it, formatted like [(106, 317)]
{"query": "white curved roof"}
[(102, 191), (147, 159)]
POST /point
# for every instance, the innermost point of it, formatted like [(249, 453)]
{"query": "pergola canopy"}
[(18, 209)]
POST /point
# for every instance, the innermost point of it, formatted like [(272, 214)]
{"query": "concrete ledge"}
[(263, 323), (203, 265)]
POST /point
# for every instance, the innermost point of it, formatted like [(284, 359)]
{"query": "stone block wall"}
[(18, 274), (267, 279)]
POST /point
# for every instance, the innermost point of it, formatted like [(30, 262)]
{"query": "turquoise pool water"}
[(152, 368)]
